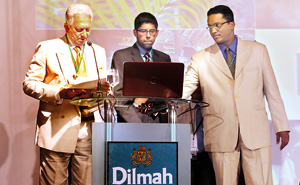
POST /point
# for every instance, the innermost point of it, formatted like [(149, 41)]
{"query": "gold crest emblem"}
[(141, 156)]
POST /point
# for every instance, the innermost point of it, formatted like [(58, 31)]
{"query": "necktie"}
[(147, 57), (81, 71), (199, 129), (230, 62)]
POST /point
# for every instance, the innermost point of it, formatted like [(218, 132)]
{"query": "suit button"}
[(236, 97), (236, 114)]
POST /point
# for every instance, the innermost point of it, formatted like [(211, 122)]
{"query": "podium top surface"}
[(122, 101)]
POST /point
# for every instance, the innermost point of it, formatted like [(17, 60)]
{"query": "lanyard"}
[(232, 61), (77, 67)]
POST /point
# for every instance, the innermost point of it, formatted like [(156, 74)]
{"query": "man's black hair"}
[(144, 17), (222, 9)]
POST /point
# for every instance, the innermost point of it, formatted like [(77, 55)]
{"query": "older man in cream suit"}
[(62, 132), (236, 127)]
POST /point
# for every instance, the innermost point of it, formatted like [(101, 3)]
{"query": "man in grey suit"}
[(145, 31)]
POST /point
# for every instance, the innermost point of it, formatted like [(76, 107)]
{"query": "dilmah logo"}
[(141, 156), (130, 176)]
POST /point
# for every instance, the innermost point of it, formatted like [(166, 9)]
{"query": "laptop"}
[(153, 79)]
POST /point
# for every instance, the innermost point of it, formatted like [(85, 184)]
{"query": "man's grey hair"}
[(78, 9)]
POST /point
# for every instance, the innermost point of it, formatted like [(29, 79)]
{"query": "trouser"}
[(67, 168), (256, 165)]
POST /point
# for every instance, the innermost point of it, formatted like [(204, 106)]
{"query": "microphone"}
[(93, 109), (98, 83)]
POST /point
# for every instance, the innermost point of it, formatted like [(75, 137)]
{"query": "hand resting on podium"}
[(70, 93)]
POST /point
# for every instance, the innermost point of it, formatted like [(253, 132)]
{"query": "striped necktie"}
[(81, 65), (230, 62), (147, 57)]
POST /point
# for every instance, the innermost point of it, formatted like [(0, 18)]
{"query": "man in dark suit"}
[(145, 31)]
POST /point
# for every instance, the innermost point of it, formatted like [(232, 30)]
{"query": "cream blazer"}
[(236, 105), (58, 121)]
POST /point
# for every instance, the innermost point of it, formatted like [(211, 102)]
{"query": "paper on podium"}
[(87, 84)]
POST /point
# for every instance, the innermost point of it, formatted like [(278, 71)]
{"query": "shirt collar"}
[(143, 51), (72, 46), (232, 47)]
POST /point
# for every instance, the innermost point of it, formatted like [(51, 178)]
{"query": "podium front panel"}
[(140, 132)]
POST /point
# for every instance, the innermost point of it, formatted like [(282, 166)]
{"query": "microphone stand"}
[(98, 92)]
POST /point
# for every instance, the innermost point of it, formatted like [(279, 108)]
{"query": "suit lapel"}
[(65, 61), (156, 56), (242, 57), (218, 60), (135, 54), (67, 67)]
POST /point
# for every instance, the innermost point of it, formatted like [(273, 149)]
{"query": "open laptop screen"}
[(153, 79)]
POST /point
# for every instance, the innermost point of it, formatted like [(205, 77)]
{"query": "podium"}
[(146, 135)]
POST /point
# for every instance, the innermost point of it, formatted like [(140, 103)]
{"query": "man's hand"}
[(105, 87), (145, 107), (142, 106), (71, 93), (139, 101), (284, 136)]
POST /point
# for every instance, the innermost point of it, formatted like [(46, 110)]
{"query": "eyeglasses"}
[(217, 25), (144, 32), (79, 30)]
